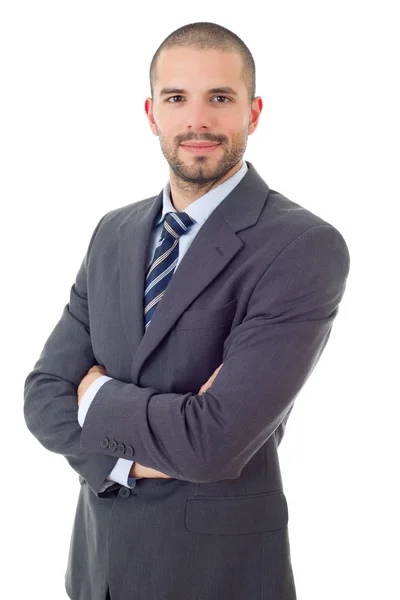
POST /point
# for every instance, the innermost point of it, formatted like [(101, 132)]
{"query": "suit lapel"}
[(134, 239), (213, 247)]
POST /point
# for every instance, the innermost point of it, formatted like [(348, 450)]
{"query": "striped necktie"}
[(164, 261)]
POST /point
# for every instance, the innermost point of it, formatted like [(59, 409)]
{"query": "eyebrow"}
[(219, 90)]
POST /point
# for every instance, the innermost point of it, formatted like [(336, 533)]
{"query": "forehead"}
[(199, 68)]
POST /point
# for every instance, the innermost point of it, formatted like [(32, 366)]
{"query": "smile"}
[(201, 149)]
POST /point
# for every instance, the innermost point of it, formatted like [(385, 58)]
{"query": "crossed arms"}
[(266, 360), (137, 469)]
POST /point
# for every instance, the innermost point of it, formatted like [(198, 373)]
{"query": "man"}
[(196, 317)]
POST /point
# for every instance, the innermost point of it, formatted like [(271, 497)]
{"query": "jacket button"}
[(121, 449), (124, 492), (113, 445), (129, 451), (104, 442)]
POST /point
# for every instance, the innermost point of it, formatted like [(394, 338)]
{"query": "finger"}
[(213, 376), (97, 369)]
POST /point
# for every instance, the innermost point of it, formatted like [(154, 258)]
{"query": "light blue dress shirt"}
[(199, 210)]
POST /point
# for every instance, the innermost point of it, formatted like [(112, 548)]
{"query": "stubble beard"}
[(199, 172)]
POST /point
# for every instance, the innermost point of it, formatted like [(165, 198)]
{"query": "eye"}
[(178, 96), (226, 98), (168, 99)]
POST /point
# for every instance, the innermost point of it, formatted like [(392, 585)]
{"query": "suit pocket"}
[(236, 515), (202, 319)]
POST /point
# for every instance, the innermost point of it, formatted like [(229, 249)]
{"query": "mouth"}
[(202, 148)]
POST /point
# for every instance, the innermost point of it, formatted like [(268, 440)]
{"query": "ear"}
[(148, 107), (256, 109)]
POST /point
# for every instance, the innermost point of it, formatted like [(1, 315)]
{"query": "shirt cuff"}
[(88, 397), (120, 473)]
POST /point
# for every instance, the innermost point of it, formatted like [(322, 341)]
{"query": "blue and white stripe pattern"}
[(164, 261)]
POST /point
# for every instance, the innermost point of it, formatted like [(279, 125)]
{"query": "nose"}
[(198, 117)]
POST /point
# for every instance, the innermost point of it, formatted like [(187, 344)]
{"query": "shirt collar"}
[(202, 207)]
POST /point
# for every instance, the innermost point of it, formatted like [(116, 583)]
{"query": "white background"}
[(75, 143)]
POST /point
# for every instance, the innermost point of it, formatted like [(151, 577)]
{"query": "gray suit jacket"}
[(258, 290)]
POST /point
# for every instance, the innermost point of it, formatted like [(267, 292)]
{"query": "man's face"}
[(196, 114)]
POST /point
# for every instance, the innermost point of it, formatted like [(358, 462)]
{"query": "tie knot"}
[(176, 223)]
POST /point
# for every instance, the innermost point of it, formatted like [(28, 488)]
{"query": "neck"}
[(184, 193)]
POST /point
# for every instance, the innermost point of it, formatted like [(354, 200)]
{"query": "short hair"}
[(205, 35)]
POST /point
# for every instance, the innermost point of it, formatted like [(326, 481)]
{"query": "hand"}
[(138, 470), (93, 373), (208, 383)]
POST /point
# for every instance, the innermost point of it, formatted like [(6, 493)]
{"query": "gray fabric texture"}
[(258, 290)]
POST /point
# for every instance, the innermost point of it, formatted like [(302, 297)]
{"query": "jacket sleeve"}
[(267, 359), (120, 473), (50, 389)]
